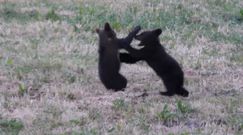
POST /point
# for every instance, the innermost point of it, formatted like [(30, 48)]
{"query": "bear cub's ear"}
[(107, 27), (157, 32)]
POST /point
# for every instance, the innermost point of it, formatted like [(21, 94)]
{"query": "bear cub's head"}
[(107, 33), (148, 37)]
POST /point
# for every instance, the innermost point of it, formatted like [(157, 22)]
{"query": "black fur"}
[(109, 57), (165, 66)]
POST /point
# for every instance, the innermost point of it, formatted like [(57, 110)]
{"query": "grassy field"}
[(49, 83)]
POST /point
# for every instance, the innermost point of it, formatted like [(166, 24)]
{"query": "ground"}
[(48, 68)]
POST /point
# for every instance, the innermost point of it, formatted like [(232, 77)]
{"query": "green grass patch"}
[(85, 132), (80, 122), (51, 15), (165, 114), (183, 107), (119, 104), (9, 62), (237, 58), (236, 122), (22, 89), (241, 15), (94, 114), (92, 15), (11, 12), (12, 126), (241, 12)]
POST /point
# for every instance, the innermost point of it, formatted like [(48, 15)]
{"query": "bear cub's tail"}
[(183, 92)]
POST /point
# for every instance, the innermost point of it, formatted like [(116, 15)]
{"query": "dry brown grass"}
[(49, 80)]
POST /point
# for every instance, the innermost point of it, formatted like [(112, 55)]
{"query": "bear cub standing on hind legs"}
[(165, 66), (109, 57)]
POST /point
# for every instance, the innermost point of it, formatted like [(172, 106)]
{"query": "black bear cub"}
[(109, 57), (162, 63)]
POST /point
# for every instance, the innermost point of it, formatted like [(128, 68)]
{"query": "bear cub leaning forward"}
[(165, 66), (109, 57)]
